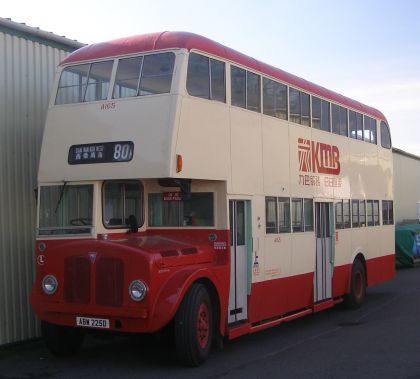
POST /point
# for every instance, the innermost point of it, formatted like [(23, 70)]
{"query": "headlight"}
[(49, 284), (137, 290)]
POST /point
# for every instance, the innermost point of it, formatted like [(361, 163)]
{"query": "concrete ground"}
[(380, 340)]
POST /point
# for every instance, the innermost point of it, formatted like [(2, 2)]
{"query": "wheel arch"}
[(173, 292), (215, 300)]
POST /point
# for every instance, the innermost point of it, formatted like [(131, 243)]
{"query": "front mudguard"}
[(173, 291)]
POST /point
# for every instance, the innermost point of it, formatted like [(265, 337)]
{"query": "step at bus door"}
[(239, 215), (324, 229)]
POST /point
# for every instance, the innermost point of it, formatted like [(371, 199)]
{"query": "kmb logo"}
[(318, 157)]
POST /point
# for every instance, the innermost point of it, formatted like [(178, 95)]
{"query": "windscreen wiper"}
[(61, 196)]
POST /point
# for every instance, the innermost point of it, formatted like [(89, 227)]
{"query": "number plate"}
[(92, 322)]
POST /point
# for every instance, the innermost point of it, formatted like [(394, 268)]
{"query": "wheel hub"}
[(203, 326)]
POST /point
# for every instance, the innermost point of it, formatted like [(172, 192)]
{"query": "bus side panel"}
[(341, 280), (380, 269), (277, 297)]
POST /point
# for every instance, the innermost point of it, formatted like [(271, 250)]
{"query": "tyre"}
[(194, 326), (62, 340), (357, 294)]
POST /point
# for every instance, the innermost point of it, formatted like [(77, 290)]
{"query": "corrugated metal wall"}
[(26, 74)]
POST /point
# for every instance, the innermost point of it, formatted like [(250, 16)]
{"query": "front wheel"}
[(194, 326), (357, 294), (62, 340)]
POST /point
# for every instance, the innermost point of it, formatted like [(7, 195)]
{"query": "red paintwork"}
[(189, 41), (167, 277), (156, 257), (279, 297), (380, 269)]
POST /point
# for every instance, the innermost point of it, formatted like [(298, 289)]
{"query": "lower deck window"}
[(387, 212), (172, 211)]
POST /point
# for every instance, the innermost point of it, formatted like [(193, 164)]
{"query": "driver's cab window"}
[(172, 209), (121, 201)]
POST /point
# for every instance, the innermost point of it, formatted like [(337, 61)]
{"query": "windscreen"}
[(65, 209)]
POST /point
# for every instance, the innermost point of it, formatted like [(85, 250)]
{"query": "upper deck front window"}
[(140, 76), (137, 76), (84, 82)]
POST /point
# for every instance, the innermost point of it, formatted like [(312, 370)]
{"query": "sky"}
[(368, 50)]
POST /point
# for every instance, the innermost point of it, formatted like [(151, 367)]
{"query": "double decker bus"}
[(183, 184)]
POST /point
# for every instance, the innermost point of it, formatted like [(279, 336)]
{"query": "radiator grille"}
[(77, 280), (109, 282)]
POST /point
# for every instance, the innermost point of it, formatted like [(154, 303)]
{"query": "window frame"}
[(247, 73), (373, 206), (183, 227), (83, 88), (276, 226), (142, 213), (371, 140), (385, 126), (93, 225), (265, 82), (210, 82), (339, 111), (301, 228), (307, 117), (390, 207)]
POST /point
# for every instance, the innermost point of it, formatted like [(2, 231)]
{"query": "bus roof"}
[(190, 41)]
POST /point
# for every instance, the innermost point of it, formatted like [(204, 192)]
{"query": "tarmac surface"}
[(379, 340)]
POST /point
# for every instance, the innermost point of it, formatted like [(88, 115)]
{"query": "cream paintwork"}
[(277, 256), (303, 257), (207, 125), (245, 152), (276, 159), (74, 124), (236, 153), (342, 240)]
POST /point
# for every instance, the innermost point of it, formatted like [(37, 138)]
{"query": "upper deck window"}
[(356, 125), (206, 78), (385, 136), (245, 88), (320, 114), (369, 129), (127, 79), (339, 120), (274, 99), (299, 107), (84, 82), (140, 76)]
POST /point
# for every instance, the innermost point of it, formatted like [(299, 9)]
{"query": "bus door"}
[(239, 211), (324, 251)]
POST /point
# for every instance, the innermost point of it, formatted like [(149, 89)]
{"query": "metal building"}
[(406, 186), (28, 61)]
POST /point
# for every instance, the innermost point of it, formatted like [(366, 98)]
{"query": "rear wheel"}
[(194, 326), (357, 294), (62, 340)]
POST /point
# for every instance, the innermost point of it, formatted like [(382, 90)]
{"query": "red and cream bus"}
[(184, 184)]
